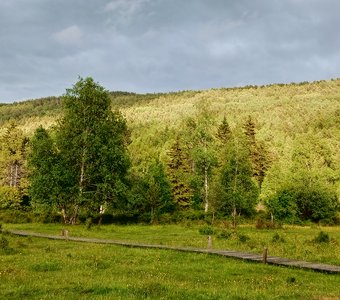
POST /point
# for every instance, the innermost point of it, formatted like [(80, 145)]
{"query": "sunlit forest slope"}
[(298, 124)]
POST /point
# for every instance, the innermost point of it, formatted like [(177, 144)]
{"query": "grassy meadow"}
[(290, 242), (36, 268)]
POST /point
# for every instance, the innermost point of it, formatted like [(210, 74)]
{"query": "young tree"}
[(239, 194), (51, 183), (201, 140), (158, 195)]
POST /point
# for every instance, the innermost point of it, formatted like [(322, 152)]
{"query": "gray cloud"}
[(163, 45)]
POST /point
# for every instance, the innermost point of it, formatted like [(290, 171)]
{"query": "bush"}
[(264, 224), (243, 238), (224, 234), (3, 243), (322, 237), (88, 223), (15, 216), (206, 230), (303, 203), (48, 217), (277, 238), (10, 197)]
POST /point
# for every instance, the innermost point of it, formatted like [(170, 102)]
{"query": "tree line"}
[(82, 167)]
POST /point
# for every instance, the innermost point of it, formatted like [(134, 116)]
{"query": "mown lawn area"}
[(37, 268)]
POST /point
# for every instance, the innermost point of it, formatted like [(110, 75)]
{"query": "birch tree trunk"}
[(206, 189)]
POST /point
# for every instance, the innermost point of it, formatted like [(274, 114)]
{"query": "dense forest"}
[(221, 153)]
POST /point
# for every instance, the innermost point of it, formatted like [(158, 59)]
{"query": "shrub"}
[(243, 238), (3, 243), (15, 216), (9, 197), (224, 234), (88, 223), (322, 237), (206, 230), (277, 238), (264, 224), (301, 202)]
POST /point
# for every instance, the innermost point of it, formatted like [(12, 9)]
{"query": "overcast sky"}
[(164, 45)]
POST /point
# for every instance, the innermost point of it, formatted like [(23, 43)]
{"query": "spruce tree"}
[(178, 170), (224, 132), (258, 153)]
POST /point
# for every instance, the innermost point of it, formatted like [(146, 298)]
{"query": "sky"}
[(148, 46)]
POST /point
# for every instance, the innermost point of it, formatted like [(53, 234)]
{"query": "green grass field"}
[(290, 242), (36, 268)]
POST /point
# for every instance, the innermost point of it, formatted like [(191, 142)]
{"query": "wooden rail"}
[(264, 258)]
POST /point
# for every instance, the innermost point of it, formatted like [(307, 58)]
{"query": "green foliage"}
[(86, 166), (15, 216), (302, 202), (224, 234), (322, 237), (263, 223), (258, 153), (206, 230), (32, 108), (13, 171), (51, 181), (10, 197), (224, 131), (243, 238), (294, 143), (277, 238), (158, 194), (4, 243), (283, 206), (239, 192), (178, 171), (92, 140)]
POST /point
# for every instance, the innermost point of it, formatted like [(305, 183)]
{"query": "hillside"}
[(295, 118)]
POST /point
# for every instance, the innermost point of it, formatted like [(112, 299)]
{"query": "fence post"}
[(265, 255)]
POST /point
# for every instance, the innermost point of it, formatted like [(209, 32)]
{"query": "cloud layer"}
[(161, 45)]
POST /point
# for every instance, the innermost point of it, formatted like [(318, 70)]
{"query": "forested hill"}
[(296, 123)]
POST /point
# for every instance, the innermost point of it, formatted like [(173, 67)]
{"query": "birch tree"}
[(91, 143)]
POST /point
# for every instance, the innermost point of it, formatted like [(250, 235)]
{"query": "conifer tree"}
[(178, 170), (224, 131), (258, 153)]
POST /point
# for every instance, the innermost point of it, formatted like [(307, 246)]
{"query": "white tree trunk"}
[(206, 189)]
